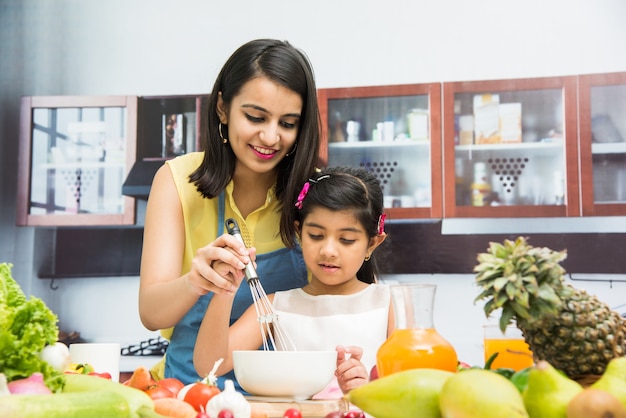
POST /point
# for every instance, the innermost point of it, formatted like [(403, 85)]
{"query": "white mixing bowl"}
[(284, 374)]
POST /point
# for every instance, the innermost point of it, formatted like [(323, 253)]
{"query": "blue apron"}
[(278, 270)]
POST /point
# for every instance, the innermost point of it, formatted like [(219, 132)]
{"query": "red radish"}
[(32, 385)]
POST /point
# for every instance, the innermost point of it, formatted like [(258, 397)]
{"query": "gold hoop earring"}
[(292, 150), (219, 129)]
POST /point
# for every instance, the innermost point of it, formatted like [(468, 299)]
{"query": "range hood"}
[(139, 179)]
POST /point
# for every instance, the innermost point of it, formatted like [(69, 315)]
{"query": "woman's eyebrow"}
[(262, 109)]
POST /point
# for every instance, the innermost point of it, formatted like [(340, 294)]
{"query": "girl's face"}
[(334, 245), (263, 122)]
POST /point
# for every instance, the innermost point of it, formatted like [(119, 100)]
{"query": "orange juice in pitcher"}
[(415, 343)]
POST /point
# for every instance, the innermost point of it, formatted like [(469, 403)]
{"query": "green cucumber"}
[(83, 383), (65, 405)]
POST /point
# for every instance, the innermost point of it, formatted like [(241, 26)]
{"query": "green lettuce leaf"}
[(27, 325)]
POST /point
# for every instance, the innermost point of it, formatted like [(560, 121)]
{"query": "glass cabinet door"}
[(510, 148), (394, 132), (603, 143), (75, 153)]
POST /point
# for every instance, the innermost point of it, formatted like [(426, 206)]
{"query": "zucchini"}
[(65, 405), (82, 383)]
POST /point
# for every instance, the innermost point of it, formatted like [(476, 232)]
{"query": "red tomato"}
[(198, 394), (353, 414), (172, 384), (292, 413), (158, 392)]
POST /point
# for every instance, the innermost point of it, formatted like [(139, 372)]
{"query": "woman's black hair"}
[(348, 188), (288, 66)]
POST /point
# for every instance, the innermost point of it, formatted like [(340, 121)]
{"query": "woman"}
[(261, 144)]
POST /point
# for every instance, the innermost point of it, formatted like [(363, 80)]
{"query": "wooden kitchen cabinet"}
[(602, 121), (167, 126), (74, 154), (510, 148), (394, 132)]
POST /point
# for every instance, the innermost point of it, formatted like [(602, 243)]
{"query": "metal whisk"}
[(268, 320)]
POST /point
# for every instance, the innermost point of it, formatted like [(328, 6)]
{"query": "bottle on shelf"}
[(338, 135), (481, 190)]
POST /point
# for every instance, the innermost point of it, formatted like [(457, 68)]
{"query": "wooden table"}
[(276, 407)]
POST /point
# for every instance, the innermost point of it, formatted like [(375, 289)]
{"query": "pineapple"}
[(572, 330)]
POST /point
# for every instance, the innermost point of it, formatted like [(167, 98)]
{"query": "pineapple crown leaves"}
[(526, 282)]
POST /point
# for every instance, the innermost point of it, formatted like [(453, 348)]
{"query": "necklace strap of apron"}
[(221, 208)]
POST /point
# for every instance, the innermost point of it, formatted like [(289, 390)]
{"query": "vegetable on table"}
[(140, 379), (32, 385), (105, 404), (229, 399), (57, 355), (138, 400), (174, 408), (27, 326)]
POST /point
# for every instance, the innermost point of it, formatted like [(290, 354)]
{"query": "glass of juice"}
[(513, 352)]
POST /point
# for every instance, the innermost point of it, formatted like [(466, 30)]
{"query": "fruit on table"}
[(409, 393), (614, 379), (560, 323), (480, 393), (595, 403), (548, 391)]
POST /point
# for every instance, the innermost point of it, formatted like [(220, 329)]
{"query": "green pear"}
[(548, 392), (613, 380), (410, 393), (480, 393)]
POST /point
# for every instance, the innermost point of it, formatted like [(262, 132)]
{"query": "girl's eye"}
[(315, 237), (288, 125), (253, 118), (348, 241)]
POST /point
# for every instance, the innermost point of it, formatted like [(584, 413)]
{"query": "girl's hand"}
[(351, 373), (218, 267)]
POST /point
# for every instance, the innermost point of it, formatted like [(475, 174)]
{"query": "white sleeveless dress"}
[(325, 321)]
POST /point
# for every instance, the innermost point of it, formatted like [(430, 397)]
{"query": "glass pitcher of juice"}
[(414, 343)]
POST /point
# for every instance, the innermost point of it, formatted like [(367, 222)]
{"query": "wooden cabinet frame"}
[(28, 104), (433, 91)]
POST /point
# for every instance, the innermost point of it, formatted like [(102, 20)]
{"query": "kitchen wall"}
[(157, 47)]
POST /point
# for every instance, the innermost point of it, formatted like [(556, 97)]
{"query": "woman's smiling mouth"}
[(265, 153)]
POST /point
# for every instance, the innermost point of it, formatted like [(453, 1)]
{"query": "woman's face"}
[(263, 122), (334, 245)]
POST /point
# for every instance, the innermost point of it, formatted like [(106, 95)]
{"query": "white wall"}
[(154, 47)]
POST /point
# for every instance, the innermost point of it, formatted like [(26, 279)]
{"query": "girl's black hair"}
[(288, 66), (348, 188)]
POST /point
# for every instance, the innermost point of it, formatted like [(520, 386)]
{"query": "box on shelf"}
[(510, 122), (487, 119)]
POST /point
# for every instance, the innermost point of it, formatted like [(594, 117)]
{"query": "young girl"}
[(340, 222)]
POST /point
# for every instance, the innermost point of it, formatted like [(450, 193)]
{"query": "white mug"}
[(104, 357)]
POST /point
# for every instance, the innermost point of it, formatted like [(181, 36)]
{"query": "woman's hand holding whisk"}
[(218, 266), (351, 373)]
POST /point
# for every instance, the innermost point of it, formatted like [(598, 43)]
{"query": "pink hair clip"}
[(381, 223), (302, 195)]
